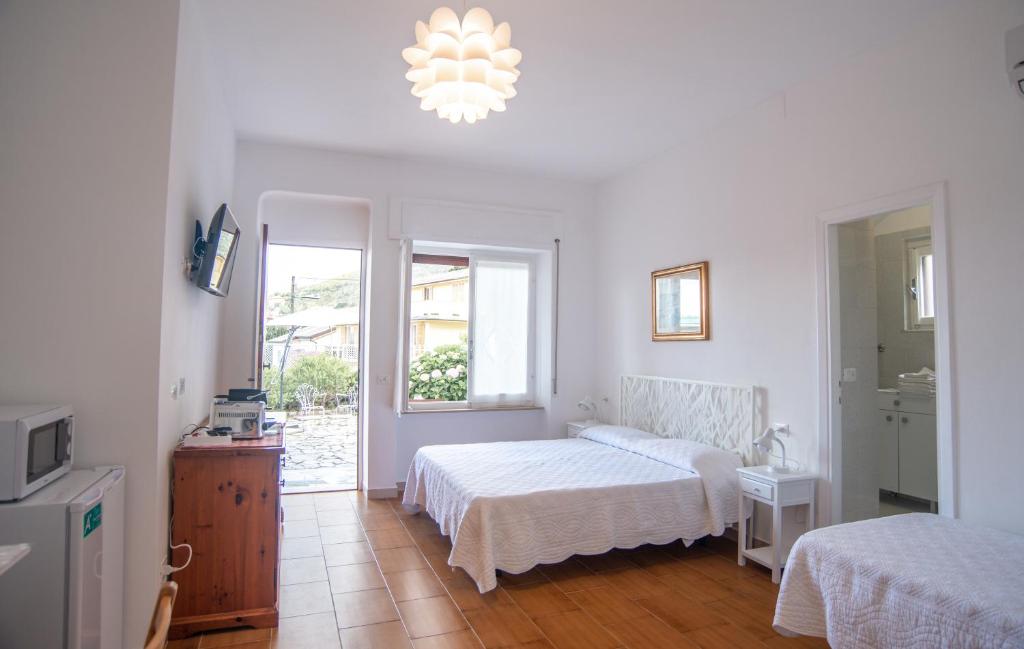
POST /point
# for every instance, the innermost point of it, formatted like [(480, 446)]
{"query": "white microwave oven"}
[(36, 444)]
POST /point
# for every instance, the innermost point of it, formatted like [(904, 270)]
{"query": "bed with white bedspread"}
[(909, 581), (513, 505)]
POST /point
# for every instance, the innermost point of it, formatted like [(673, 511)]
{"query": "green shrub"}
[(329, 375), (439, 374)]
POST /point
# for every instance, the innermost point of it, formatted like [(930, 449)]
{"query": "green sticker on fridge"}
[(93, 519)]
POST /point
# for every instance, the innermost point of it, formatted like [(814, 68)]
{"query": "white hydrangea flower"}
[(436, 374), (453, 373), (424, 377)]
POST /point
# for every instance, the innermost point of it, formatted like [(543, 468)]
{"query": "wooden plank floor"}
[(364, 574)]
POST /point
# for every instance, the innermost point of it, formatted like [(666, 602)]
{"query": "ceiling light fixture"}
[(462, 70)]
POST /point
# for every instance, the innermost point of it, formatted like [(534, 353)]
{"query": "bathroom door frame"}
[(829, 344)]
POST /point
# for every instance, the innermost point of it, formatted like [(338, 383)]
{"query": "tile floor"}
[(362, 574)]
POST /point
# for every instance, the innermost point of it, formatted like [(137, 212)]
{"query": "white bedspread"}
[(910, 581), (513, 505)]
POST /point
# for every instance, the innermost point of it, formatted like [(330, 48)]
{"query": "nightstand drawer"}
[(757, 489)]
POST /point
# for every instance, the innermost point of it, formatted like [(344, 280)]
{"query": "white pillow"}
[(617, 436)]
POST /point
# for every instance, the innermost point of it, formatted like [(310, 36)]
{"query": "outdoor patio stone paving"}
[(321, 452)]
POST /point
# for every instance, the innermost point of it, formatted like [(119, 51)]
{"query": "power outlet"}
[(849, 374)]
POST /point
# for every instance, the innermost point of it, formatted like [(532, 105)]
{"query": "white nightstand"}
[(574, 428), (777, 490)]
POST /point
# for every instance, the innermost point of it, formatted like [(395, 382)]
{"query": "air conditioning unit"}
[(1015, 58)]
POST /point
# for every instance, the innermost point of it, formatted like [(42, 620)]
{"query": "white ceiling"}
[(604, 86)]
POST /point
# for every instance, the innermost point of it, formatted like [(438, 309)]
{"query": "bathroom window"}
[(919, 297)]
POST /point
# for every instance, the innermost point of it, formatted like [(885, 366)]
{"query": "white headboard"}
[(710, 413)]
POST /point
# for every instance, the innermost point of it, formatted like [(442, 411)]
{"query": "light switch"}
[(849, 374)]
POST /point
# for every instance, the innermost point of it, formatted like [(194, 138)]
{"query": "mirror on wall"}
[(679, 303)]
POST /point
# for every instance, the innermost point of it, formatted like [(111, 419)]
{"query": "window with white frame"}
[(919, 298), (471, 337)]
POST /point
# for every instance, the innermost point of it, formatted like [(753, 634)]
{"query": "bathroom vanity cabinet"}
[(908, 451)]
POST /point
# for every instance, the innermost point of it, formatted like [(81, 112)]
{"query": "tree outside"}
[(329, 375)]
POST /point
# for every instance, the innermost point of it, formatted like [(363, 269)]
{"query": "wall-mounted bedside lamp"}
[(767, 440), (588, 406)]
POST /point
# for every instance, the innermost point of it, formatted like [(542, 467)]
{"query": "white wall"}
[(202, 160), (265, 167), (303, 219), (935, 106), (901, 220), (86, 101)]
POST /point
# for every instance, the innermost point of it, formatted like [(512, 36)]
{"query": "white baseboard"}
[(381, 494)]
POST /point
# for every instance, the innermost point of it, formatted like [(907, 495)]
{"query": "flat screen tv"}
[(213, 259)]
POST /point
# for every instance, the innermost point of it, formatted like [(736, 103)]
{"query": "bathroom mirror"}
[(679, 303)]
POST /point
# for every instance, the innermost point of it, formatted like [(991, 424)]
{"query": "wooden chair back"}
[(156, 638)]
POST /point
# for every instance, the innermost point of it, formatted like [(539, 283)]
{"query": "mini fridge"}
[(68, 593)]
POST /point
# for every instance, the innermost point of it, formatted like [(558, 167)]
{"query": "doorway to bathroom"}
[(887, 394)]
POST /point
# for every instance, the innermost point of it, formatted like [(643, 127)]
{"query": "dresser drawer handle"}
[(896, 402), (905, 420)]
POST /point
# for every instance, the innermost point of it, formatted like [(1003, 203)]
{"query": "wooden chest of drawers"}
[(226, 504)]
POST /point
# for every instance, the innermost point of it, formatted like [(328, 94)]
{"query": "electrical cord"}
[(168, 569), (194, 430), (791, 462)]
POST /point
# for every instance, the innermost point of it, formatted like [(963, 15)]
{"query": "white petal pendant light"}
[(462, 70)]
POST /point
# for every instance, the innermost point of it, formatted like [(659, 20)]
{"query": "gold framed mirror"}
[(679, 303)]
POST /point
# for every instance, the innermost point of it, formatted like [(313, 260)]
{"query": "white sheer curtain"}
[(501, 354)]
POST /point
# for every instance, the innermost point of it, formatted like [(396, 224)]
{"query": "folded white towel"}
[(916, 388), (923, 373), (924, 377), (919, 383)]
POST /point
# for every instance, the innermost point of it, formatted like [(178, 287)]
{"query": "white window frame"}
[(914, 250), (505, 401), (474, 254)]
